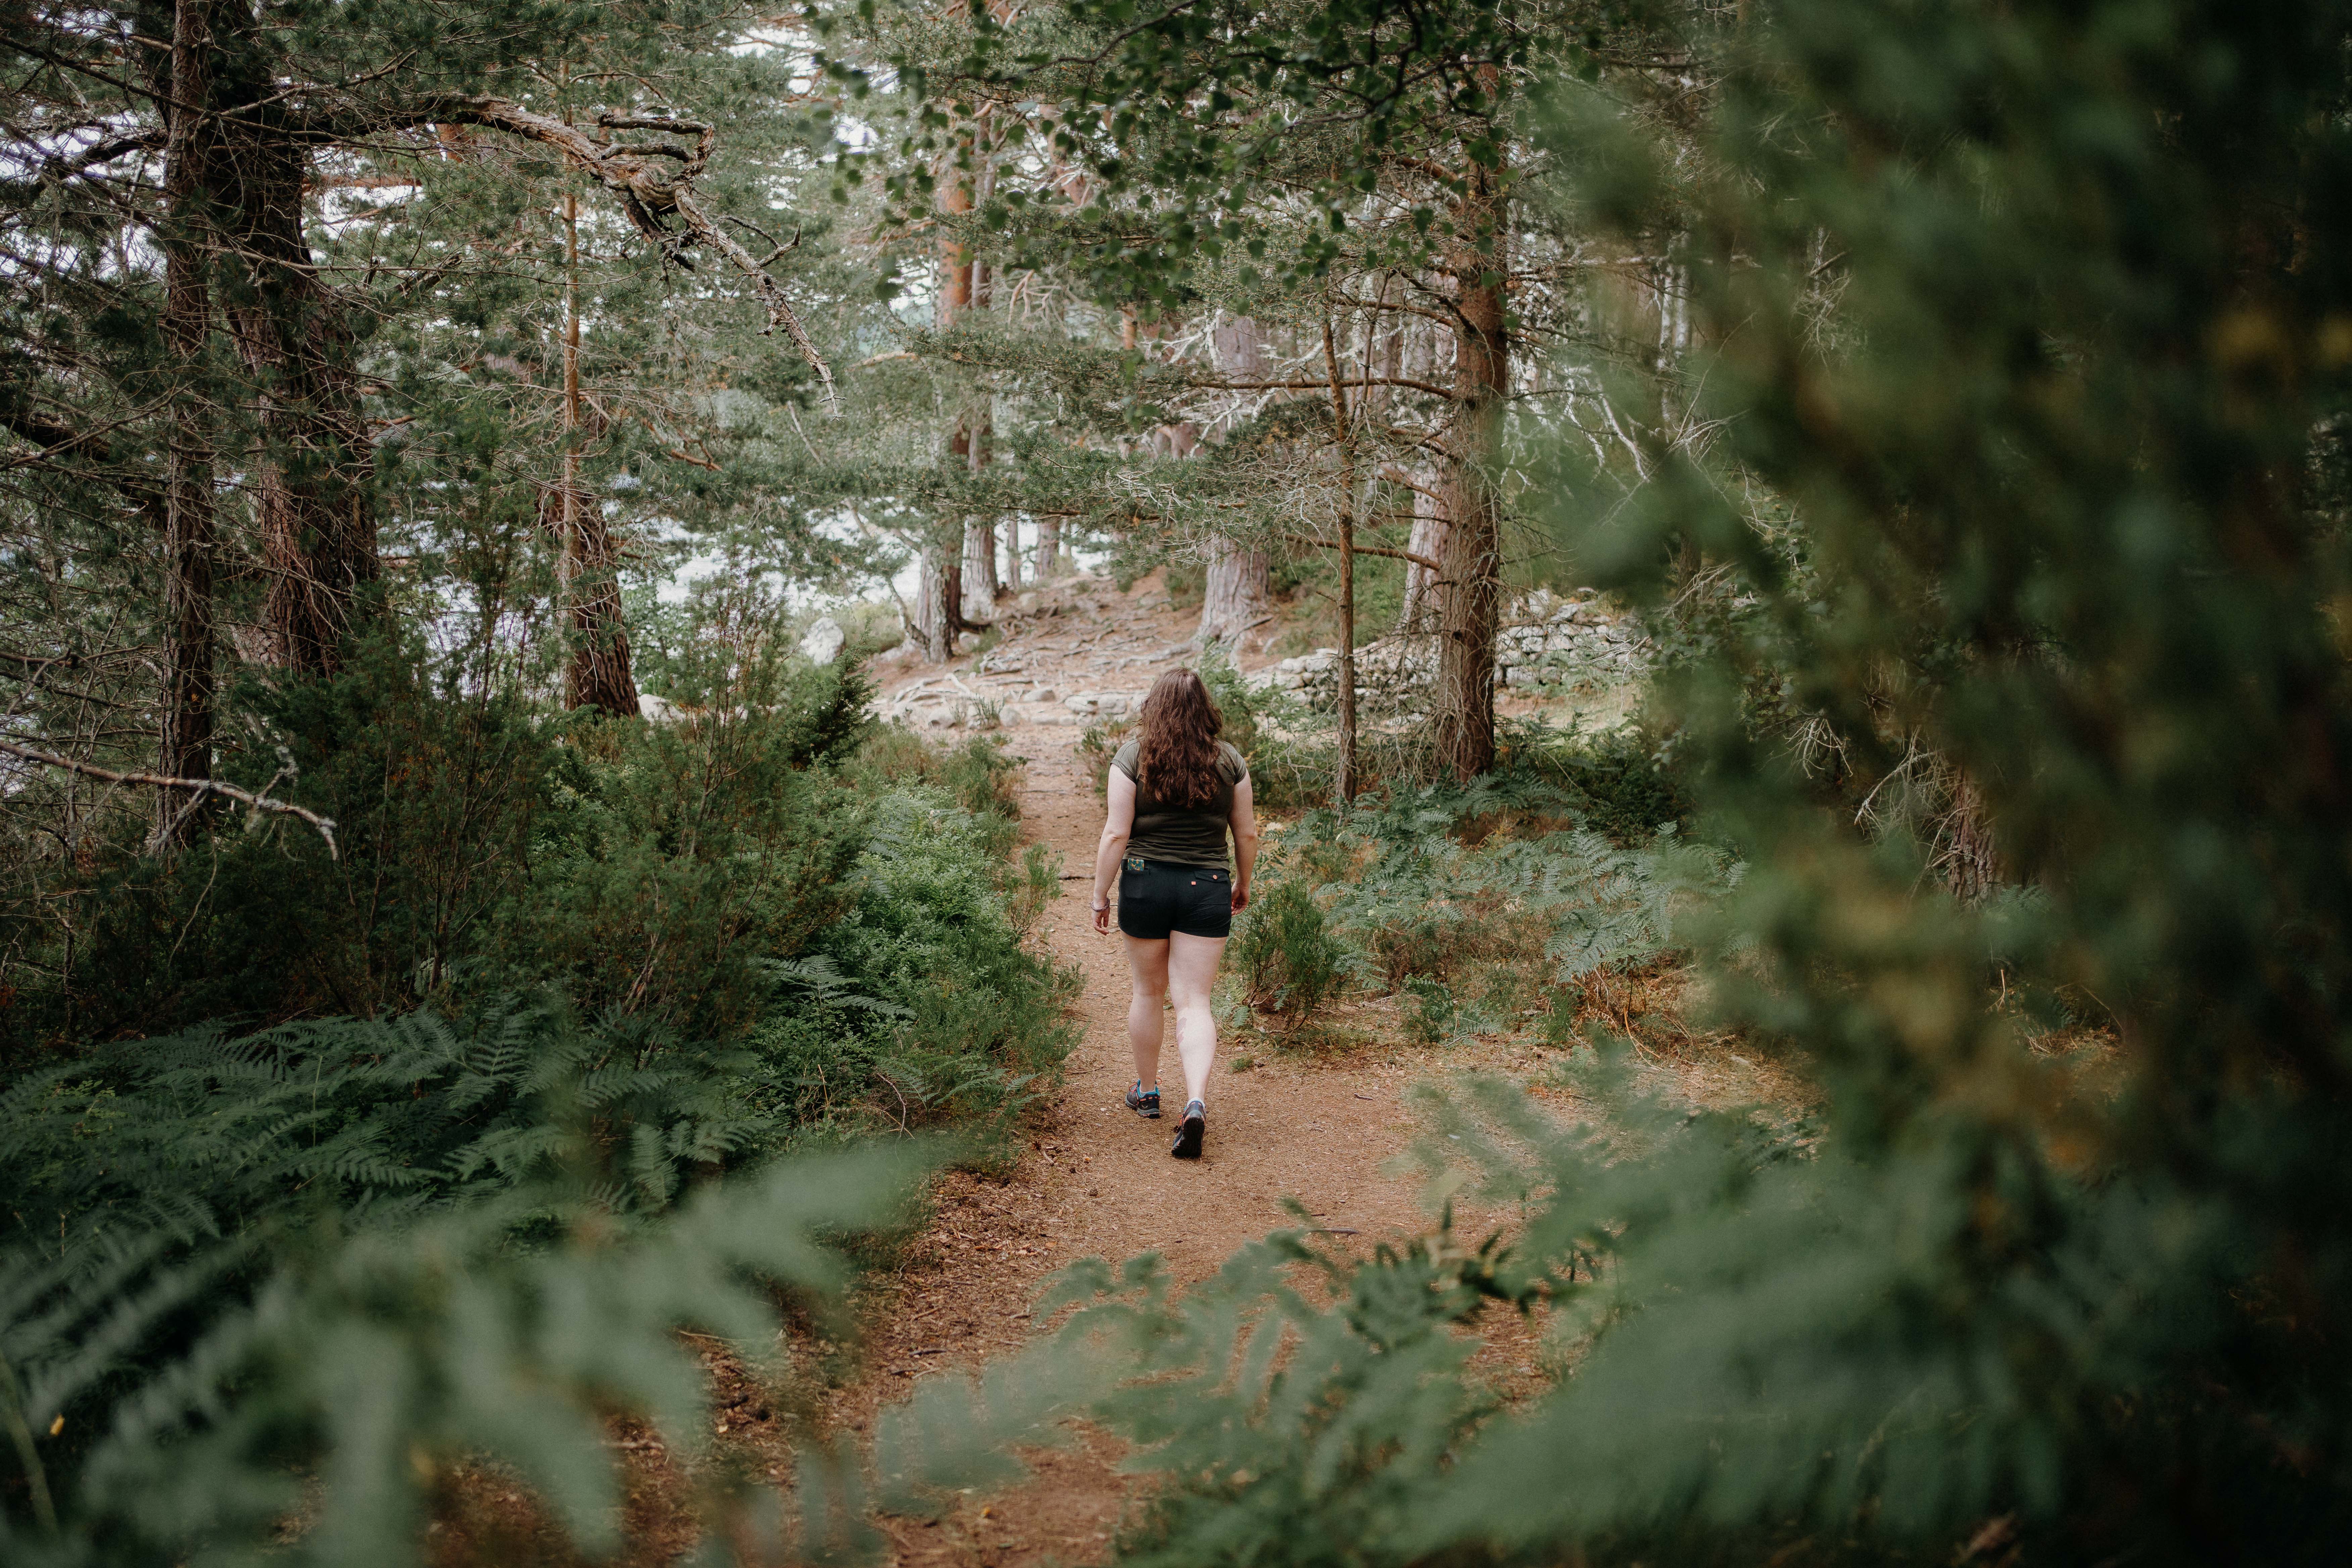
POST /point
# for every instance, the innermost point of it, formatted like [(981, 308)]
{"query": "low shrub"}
[(1098, 744), (1284, 956), (1613, 783), (980, 775), (302, 1273), (1474, 934)]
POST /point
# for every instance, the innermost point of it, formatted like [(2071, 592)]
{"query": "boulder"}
[(1102, 704), (824, 642)]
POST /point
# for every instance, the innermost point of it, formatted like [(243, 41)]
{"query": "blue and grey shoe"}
[(1192, 1130), (1144, 1102)]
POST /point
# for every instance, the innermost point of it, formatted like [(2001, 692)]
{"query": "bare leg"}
[(1148, 962), (1191, 967)]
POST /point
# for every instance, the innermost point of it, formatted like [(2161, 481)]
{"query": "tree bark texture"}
[(596, 671), (1240, 589), (1421, 597), (937, 594), (311, 474), (1345, 782), (1239, 592), (1473, 560), (980, 584), (187, 742), (1049, 548), (973, 594)]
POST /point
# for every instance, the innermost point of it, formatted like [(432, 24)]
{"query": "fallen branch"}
[(325, 824)]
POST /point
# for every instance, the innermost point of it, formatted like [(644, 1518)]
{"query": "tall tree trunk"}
[(186, 748), (597, 674), (937, 594), (1012, 554), (310, 477), (1473, 558), (1410, 353), (980, 584), (1239, 594), (967, 443), (1240, 591), (1049, 548), (1346, 783)]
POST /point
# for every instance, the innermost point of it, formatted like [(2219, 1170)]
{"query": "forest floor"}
[(1321, 1124), (1096, 1179)]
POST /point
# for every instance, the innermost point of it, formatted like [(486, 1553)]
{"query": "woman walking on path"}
[(1174, 792)]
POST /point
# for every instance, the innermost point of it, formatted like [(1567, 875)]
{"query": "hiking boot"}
[(1190, 1131), (1144, 1102)]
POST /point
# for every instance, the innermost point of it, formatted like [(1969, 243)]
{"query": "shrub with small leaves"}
[(1288, 962)]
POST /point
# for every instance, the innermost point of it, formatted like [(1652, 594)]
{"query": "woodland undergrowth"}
[(325, 1176)]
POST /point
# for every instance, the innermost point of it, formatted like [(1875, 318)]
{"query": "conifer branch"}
[(1366, 549), (1312, 384), (639, 174)]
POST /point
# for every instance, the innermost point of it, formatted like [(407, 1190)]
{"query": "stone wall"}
[(1546, 640)]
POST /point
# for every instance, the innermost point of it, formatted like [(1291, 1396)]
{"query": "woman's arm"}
[(1117, 826), (1243, 823)]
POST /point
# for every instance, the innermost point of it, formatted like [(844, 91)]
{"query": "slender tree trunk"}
[(1345, 785), (1473, 558), (310, 477), (597, 674), (967, 443), (1049, 548), (1012, 554), (186, 749)]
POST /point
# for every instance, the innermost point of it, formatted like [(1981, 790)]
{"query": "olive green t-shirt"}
[(1182, 836)]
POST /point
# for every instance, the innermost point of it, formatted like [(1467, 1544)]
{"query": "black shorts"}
[(1156, 898)]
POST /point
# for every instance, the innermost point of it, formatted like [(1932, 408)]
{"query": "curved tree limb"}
[(652, 180), (325, 824)]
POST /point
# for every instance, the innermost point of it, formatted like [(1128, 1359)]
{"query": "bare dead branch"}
[(1366, 549), (1308, 385), (325, 824), (652, 181)]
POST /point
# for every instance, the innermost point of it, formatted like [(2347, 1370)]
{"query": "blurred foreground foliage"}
[(2010, 474)]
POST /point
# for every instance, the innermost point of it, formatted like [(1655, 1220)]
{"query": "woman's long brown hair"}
[(1177, 760)]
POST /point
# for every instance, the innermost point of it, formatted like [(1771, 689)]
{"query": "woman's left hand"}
[(1102, 916)]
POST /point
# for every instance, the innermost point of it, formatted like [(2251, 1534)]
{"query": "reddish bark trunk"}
[(310, 476), (597, 672), (1473, 559), (186, 742)]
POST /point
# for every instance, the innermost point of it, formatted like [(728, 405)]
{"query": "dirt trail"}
[(1098, 1180)]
